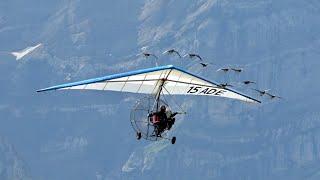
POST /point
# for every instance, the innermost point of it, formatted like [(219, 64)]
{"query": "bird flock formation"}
[(204, 64)]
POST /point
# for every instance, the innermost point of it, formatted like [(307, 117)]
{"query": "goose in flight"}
[(239, 70), (172, 51), (204, 64), (224, 85), (224, 69), (248, 82), (262, 92), (273, 96), (147, 55), (193, 56)]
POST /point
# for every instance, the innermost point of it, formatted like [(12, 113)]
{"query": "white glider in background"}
[(20, 54)]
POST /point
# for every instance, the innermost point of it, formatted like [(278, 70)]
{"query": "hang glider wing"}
[(174, 81)]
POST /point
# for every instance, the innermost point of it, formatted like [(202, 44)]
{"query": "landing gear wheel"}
[(138, 135), (173, 140)]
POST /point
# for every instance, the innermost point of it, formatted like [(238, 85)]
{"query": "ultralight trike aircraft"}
[(151, 116)]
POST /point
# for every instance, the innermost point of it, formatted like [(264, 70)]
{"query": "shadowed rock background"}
[(87, 135)]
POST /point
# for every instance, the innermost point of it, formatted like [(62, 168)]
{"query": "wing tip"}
[(255, 101), (45, 89), (40, 90), (258, 102)]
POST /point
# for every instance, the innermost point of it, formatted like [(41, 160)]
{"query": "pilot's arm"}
[(173, 114)]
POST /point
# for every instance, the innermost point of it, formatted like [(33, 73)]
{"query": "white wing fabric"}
[(173, 80), (20, 54)]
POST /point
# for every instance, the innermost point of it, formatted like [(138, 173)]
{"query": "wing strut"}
[(158, 93)]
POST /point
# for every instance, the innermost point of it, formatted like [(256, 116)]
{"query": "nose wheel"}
[(138, 135)]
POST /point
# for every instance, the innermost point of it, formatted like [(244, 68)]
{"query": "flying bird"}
[(237, 69), (224, 69), (193, 56), (224, 85), (20, 54), (204, 64), (273, 96), (172, 51), (147, 55), (248, 82), (262, 92)]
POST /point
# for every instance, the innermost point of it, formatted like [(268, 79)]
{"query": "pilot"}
[(163, 119), (159, 120)]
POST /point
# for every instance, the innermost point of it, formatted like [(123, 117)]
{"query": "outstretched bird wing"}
[(273, 96), (199, 57), (170, 51), (177, 53), (223, 69), (259, 91)]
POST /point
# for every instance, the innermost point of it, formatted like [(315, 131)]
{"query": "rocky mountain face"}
[(77, 135), (12, 167)]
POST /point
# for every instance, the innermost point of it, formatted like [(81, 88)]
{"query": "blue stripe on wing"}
[(105, 78)]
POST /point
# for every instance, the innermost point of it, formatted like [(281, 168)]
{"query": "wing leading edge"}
[(147, 81)]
